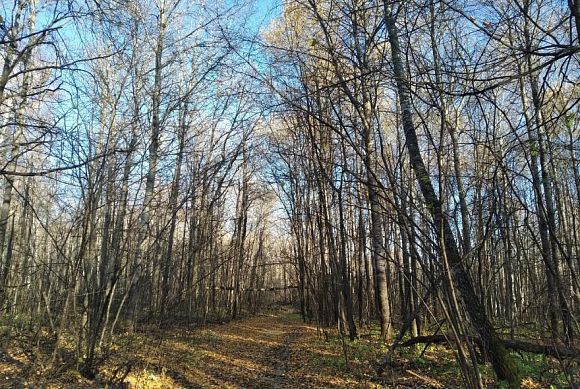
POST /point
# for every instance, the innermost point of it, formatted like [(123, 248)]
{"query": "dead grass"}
[(264, 351)]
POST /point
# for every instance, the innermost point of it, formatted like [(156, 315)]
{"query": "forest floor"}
[(273, 350)]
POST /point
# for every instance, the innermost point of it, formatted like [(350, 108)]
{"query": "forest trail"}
[(272, 350), (265, 351)]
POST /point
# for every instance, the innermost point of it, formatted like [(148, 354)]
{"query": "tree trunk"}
[(502, 363)]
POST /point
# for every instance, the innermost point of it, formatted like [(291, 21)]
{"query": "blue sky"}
[(266, 10)]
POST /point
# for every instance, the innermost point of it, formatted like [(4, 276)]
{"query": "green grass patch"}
[(544, 369), (203, 337), (328, 361)]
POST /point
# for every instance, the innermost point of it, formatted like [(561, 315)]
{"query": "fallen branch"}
[(272, 288), (518, 345)]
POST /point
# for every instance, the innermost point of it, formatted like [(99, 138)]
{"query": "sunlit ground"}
[(264, 351)]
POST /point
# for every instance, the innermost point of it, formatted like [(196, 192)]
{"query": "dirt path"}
[(279, 360), (266, 351), (278, 351)]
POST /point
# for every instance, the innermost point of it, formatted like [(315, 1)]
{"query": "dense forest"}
[(412, 166)]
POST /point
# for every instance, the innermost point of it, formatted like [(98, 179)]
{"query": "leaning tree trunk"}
[(502, 363)]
